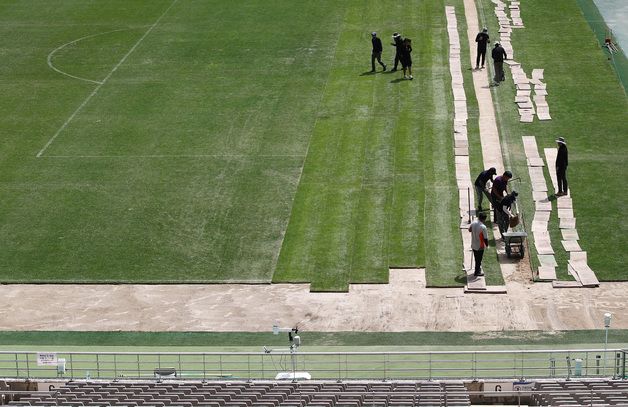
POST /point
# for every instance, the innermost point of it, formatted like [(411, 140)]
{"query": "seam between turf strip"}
[(100, 85), (309, 142), (180, 156)]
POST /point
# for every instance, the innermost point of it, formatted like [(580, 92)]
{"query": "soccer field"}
[(203, 141), (209, 141)]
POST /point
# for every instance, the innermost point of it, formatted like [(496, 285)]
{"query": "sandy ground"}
[(405, 304)]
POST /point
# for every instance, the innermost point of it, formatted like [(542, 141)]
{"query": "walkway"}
[(489, 135)]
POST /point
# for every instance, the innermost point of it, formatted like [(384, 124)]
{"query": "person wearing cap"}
[(499, 55), (398, 44), (480, 184), (482, 39), (377, 52), (406, 58), (479, 242), (500, 186), (562, 160), (504, 211)]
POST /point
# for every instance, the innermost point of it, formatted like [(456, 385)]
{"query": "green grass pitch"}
[(210, 141)]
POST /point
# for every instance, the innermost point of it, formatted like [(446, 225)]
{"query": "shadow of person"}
[(461, 279), (368, 73), (398, 80)]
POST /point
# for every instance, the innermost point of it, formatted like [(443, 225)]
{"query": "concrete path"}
[(489, 135)]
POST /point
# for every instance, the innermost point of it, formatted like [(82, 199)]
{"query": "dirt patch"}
[(405, 304)]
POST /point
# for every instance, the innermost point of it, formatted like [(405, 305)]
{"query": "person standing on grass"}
[(406, 58), (377, 52), (499, 55), (479, 242), (398, 44), (482, 39), (480, 184), (562, 160)]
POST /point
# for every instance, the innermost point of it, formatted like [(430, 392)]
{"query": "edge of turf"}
[(594, 18), (210, 339)]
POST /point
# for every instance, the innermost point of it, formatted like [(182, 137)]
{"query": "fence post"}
[(430, 367), (248, 362), (552, 366), (385, 366), (205, 368), (71, 368)]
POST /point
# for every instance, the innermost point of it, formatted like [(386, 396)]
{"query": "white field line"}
[(115, 68), (54, 51)]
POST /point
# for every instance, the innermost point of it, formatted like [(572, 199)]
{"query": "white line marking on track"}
[(99, 85)]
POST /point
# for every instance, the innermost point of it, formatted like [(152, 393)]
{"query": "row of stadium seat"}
[(579, 393), (243, 394)]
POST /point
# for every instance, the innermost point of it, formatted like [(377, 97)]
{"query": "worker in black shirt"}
[(398, 44), (377, 52), (499, 55), (480, 185), (504, 212), (482, 39), (562, 160)]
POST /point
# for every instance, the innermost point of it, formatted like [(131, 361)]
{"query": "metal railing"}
[(499, 364)]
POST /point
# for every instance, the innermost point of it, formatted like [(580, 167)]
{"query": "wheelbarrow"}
[(514, 243)]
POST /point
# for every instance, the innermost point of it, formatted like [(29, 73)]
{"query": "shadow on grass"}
[(368, 73), (398, 80), (461, 279)]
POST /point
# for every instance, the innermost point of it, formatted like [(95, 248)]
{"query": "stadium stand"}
[(581, 393), (245, 394), (322, 394)]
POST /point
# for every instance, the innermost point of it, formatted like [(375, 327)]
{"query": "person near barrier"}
[(479, 242), (480, 184), (504, 212)]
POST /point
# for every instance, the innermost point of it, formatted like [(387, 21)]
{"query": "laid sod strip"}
[(363, 201), (592, 125), (386, 339)]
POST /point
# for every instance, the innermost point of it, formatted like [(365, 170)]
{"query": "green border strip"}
[(619, 61), (388, 339)]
